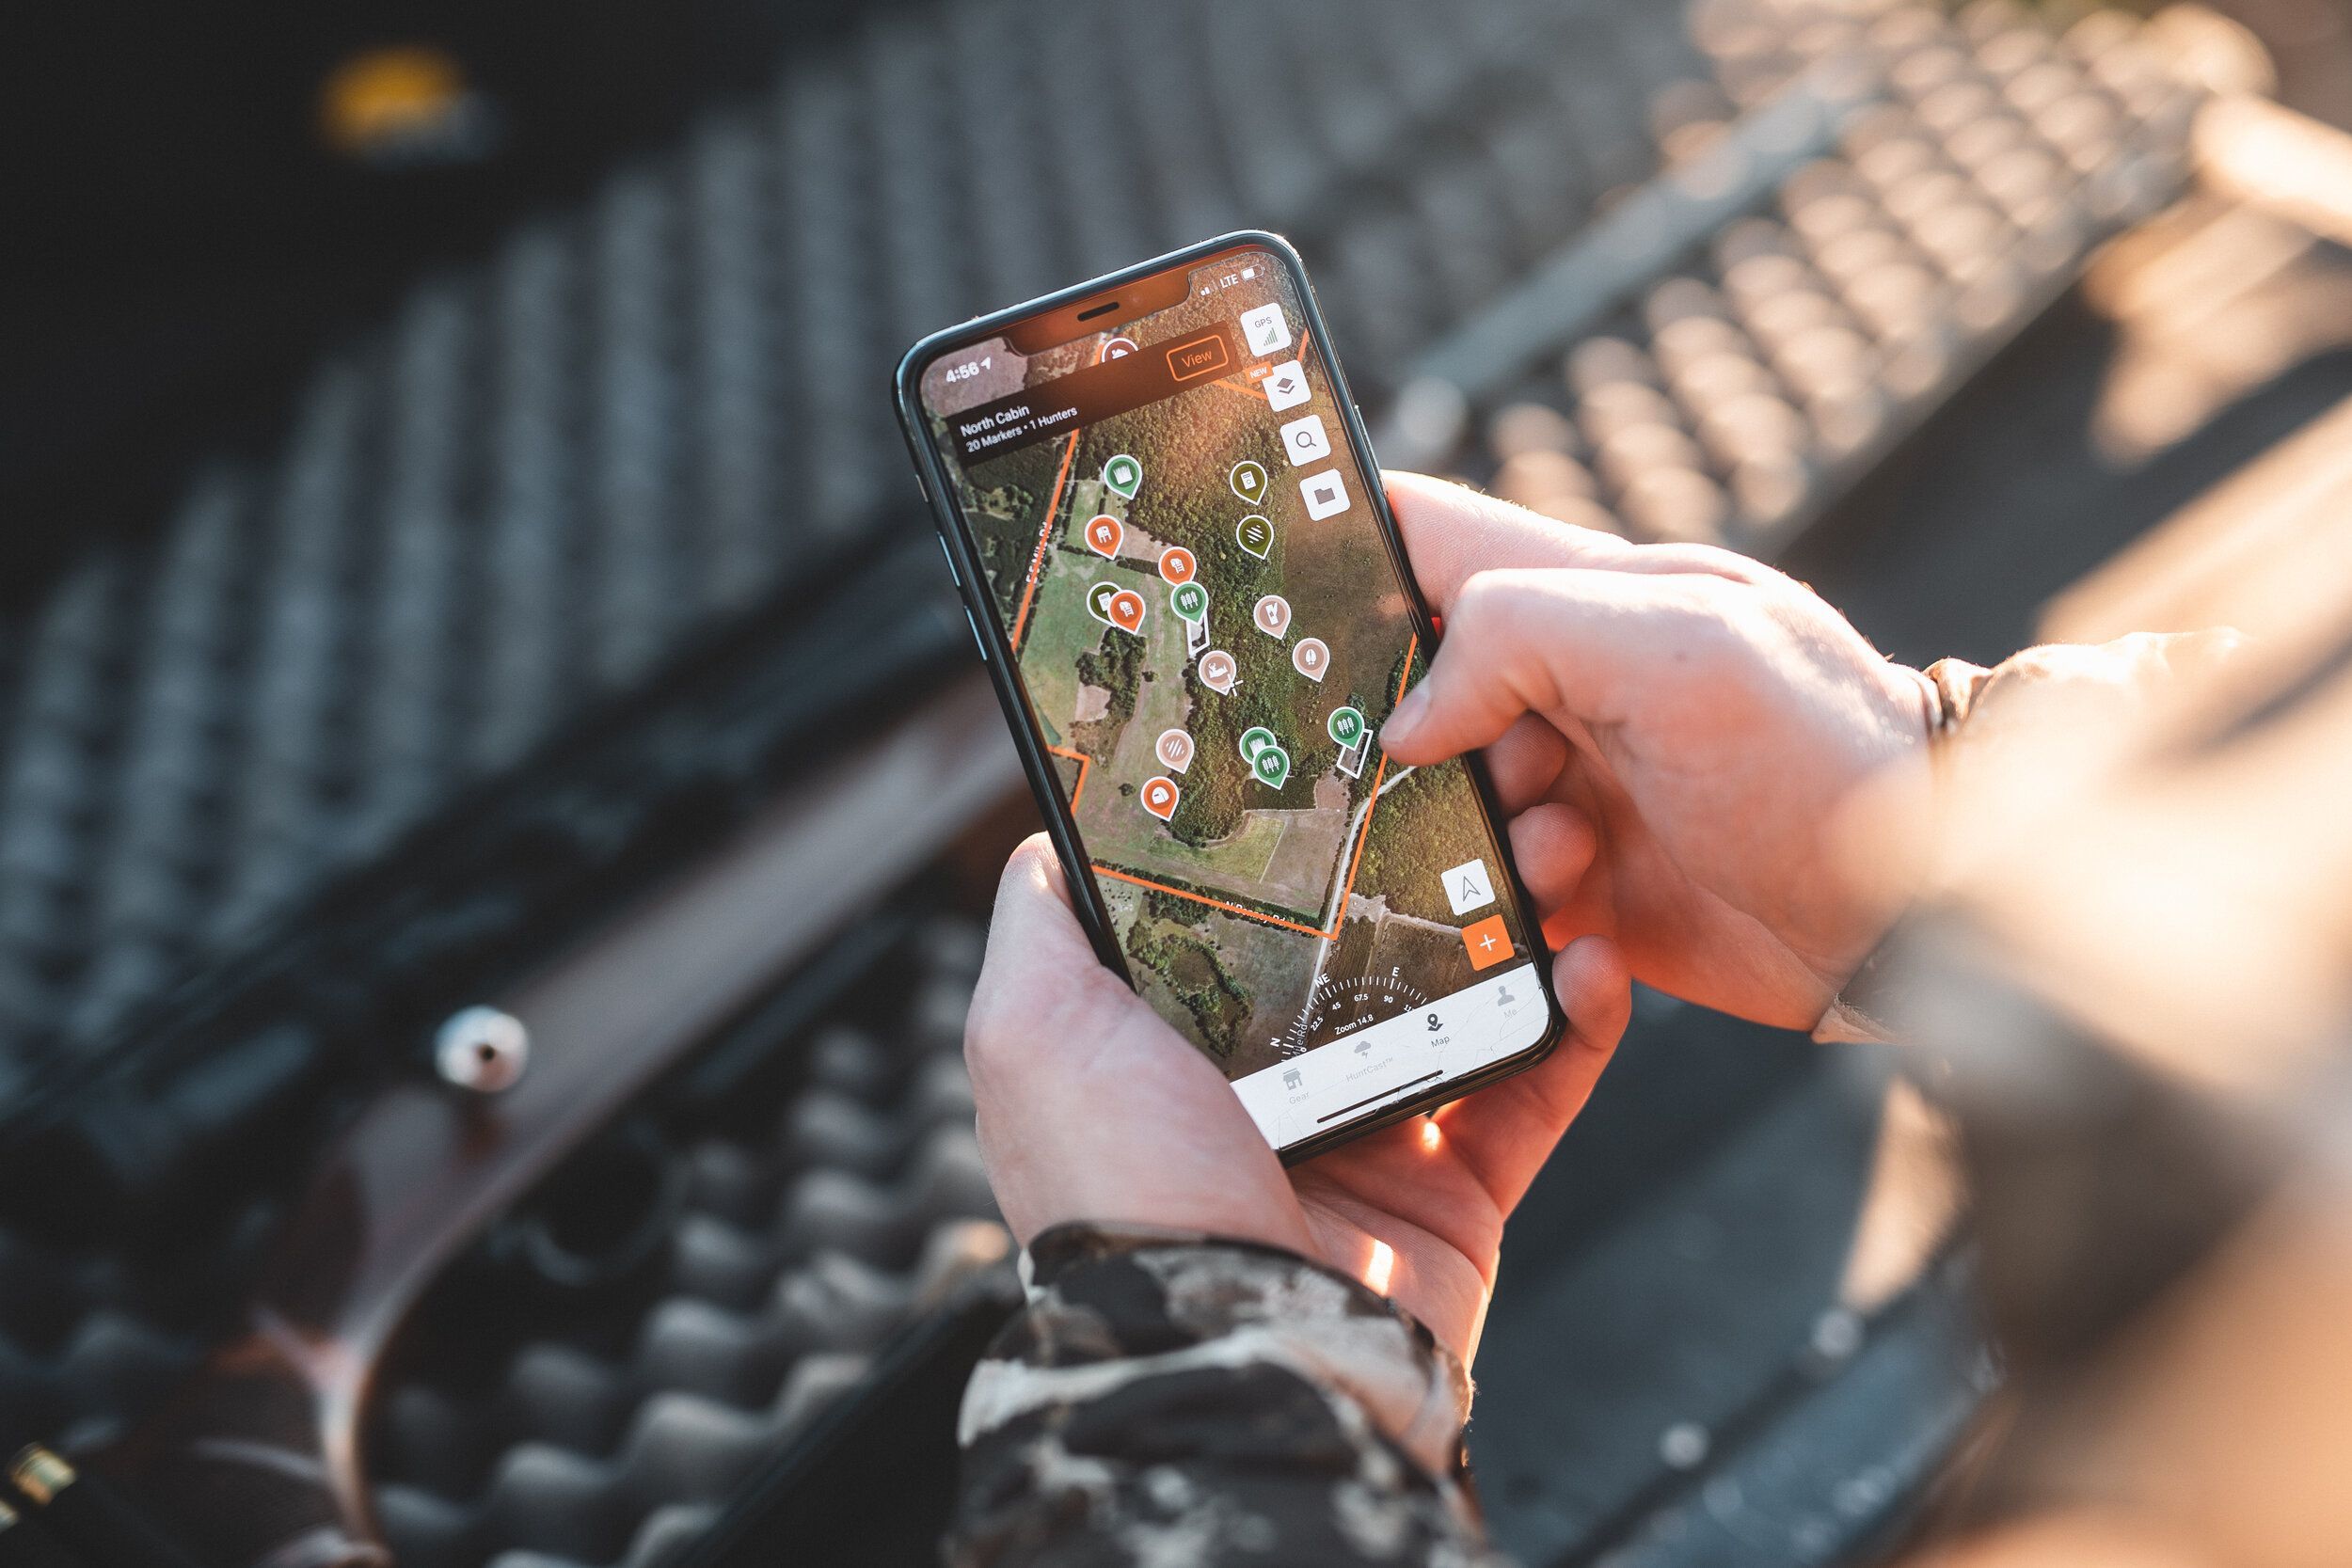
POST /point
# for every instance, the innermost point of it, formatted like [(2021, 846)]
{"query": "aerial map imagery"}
[(1209, 633)]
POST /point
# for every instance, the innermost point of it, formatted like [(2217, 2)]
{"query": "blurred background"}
[(461, 586)]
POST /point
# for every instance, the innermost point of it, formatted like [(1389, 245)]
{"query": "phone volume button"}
[(976, 633), (953, 575)]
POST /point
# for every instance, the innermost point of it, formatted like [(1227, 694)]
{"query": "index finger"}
[(1452, 531)]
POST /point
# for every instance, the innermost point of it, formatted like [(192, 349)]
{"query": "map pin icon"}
[(1189, 600), (1174, 748), (1099, 601), (1177, 564), (1248, 482), (1273, 614), (1159, 797), (1273, 766), (1126, 609), (1310, 659), (1254, 534), (1122, 476), (1255, 740), (1217, 670), (1346, 725), (1103, 536)]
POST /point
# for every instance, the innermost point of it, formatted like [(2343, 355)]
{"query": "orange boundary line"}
[(1212, 903), (1043, 533), (1355, 862), (1084, 763)]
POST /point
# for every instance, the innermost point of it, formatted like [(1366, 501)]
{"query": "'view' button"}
[(1203, 355)]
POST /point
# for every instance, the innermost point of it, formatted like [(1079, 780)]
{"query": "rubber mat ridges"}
[(548, 473)]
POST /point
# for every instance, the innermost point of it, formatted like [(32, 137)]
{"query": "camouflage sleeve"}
[(1168, 1396)]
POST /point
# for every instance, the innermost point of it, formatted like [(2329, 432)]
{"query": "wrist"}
[(1887, 838)]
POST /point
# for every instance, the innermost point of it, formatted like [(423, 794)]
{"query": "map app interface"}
[(1209, 634)]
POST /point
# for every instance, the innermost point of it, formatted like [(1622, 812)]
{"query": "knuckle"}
[(1715, 611), (984, 1030), (1474, 603), (1732, 567), (1720, 626), (1489, 599)]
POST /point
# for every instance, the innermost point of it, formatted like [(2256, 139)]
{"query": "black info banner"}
[(1082, 397)]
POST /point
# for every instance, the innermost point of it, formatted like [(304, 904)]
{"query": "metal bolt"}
[(1836, 1334), (483, 1049), (1683, 1445)]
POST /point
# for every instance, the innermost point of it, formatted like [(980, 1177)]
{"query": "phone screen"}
[(1208, 631)]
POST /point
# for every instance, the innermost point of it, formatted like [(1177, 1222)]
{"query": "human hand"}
[(1674, 729), (1092, 1108)]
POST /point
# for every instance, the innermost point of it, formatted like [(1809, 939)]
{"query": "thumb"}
[(1033, 931), (1033, 915), (1036, 946), (1563, 644)]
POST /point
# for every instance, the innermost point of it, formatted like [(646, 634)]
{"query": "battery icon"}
[(1248, 273)]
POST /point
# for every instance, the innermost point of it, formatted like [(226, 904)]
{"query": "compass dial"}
[(1341, 1006)]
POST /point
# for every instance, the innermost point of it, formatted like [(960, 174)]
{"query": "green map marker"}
[(1248, 480), (1189, 600), (1273, 766), (1255, 534), (1346, 725), (1122, 476), (1098, 600), (1255, 740)]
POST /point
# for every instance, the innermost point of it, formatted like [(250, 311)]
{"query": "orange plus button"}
[(1487, 941)]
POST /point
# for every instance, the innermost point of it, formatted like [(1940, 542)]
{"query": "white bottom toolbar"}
[(1295, 1100)]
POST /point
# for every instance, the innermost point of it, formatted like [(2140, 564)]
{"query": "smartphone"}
[(1163, 513)]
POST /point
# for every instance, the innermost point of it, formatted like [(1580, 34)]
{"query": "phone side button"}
[(953, 575), (976, 633)]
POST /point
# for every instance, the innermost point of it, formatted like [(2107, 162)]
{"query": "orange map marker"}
[(1126, 607), (1177, 564), (1159, 798), (1104, 534)]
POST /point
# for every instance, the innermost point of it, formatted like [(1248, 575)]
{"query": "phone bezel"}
[(1060, 825)]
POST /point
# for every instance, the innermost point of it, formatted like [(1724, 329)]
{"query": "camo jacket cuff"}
[(1172, 1392)]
